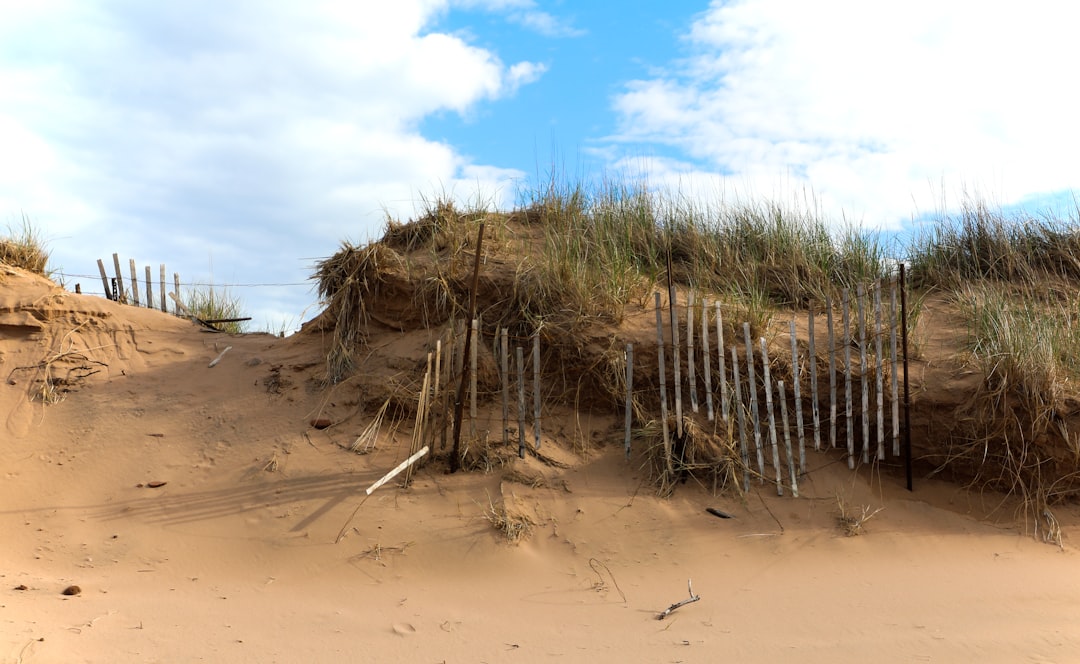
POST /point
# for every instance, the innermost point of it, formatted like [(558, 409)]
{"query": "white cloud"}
[(873, 106), (258, 133), (526, 14)]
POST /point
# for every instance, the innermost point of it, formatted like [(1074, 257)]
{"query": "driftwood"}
[(693, 598)]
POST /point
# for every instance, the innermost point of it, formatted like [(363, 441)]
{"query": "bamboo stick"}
[(767, 378), (787, 440)]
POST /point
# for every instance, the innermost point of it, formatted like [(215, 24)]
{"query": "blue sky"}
[(240, 141)]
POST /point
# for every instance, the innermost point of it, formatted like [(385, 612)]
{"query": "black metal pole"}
[(907, 392)]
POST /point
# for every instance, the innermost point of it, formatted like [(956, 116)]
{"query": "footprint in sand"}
[(404, 629)]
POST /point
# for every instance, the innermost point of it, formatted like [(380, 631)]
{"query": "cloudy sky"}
[(241, 140)]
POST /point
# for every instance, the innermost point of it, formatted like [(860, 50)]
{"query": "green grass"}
[(213, 303)]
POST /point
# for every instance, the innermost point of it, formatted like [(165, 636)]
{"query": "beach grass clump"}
[(24, 248), (211, 303)]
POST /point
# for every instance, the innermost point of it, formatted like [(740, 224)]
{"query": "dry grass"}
[(851, 522), (513, 524), (24, 248)]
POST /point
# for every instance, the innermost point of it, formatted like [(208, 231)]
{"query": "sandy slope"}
[(235, 558)]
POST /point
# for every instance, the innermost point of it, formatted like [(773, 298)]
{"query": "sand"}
[(259, 547)]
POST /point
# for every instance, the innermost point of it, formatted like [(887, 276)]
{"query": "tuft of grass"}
[(24, 248), (851, 522), (210, 303)]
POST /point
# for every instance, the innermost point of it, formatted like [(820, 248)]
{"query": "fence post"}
[(860, 301), (787, 440), (164, 308), (751, 384), (121, 294), (796, 389), (134, 283), (149, 297), (720, 362), (740, 412), (104, 279), (847, 380), (663, 385), (879, 370), (504, 352), (814, 406), (705, 357), (536, 387), (690, 372), (772, 416), (629, 394)]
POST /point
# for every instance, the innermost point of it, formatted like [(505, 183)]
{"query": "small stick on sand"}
[(693, 598), (217, 359)]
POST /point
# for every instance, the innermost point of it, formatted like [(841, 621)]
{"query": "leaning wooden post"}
[(504, 352), (536, 387), (705, 357), (149, 295), (670, 469), (690, 371), (134, 283), (741, 413), (787, 440), (814, 407), (832, 371), (860, 300), (893, 375), (766, 377), (798, 398), (121, 295), (161, 287), (176, 289), (720, 363), (104, 279), (459, 404), (879, 369), (751, 386), (846, 306), (629, 394), (520, 357)]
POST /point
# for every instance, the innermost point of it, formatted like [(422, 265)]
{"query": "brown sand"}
[(234, 557)]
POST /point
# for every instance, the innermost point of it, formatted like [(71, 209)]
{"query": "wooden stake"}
[(536, 387), (766, 373), (751, 385), (879, 369), (149, 294), (520, 357), (629, 394), (504, 348), (134, 283), (860, 300), (459, 403), (798, 399), (675, 359), (846, 307), (690, 370), (663, 387), (400, 467), (161, 284), (832, 371), (705, 357), (720, 363), (892, 375), (787, 440), (121, 294), (740, 410), (814, 406), (104, 279), (472, 377), (907, 393), (176, 291)]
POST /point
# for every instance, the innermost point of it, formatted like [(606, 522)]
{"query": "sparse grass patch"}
[(24, 248), (211, 303), (851, 521)]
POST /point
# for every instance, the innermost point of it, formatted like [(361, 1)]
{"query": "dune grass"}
[(216, 303), (23, 247)]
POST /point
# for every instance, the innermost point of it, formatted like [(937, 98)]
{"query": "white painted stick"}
[(400, 467), (720, 361), (895, 382), (815, 408), (520, 357), (676, 360), (832, 371)]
